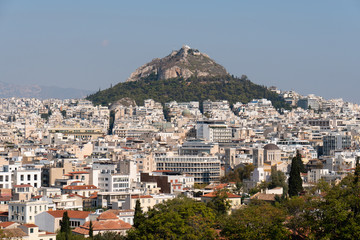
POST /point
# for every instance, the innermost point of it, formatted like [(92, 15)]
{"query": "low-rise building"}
[(25, 211), (50, 220)]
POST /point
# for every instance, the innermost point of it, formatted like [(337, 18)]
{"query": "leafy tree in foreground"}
[(239, 174), (220, 203), (179, 218), (278, 179), (262, 221), (295, 181), (109, 236)]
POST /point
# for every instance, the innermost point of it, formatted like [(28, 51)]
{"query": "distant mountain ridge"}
[(8, 90), (183, 63)]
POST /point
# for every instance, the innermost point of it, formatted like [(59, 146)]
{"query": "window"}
[(31, 230), (35, 177), (28, 177), (21, 177)]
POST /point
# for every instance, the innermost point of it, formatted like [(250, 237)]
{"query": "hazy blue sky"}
[(307, 46)]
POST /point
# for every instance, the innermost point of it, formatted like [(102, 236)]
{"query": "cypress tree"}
[(65, 225), (91, 230), (138, 215), (295, 181)]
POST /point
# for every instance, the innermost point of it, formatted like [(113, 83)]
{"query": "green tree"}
[(111, 122), (65, 225), (91, 230), (338, 215), (64, 236), (262, 221), (239, 174), (109, 236), (179, 218), (278, 179), (199, 89), (138, 215), (295, 181), (220, 203)]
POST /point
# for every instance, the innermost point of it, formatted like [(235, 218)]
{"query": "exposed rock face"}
[(184, 63)]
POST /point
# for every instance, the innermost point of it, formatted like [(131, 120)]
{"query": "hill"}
[(185, 75), (183, 63), (194, 88)]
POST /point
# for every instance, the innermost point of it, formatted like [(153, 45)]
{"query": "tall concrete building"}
[(335, 142)]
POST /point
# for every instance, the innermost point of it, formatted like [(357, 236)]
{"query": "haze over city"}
[(306, 46)]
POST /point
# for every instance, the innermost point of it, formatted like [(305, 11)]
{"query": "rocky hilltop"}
[(183, 63)]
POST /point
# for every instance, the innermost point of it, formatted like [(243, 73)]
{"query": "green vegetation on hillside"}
[(199, 89)]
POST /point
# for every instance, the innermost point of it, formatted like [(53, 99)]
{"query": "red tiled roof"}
[(73, 195), (71, 214), (229, 195), (6, 224), (264, 196), (5, 198), (103, 226), (37, 197), (141, 196), (94, 195), (10, 233), (107, 215), (81, 187)]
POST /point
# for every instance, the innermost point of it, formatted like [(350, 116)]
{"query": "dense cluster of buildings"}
[(68, 155)]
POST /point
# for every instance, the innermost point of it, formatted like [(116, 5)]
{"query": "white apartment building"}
[(110, 178), (25, 211), (315, 174), (5, 180), (213, 131), (204, 169), (29, 175)]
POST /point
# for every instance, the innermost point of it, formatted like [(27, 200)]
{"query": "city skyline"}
[(307, 47)]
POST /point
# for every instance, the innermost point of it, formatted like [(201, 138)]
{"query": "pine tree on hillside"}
[(295, 181)]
